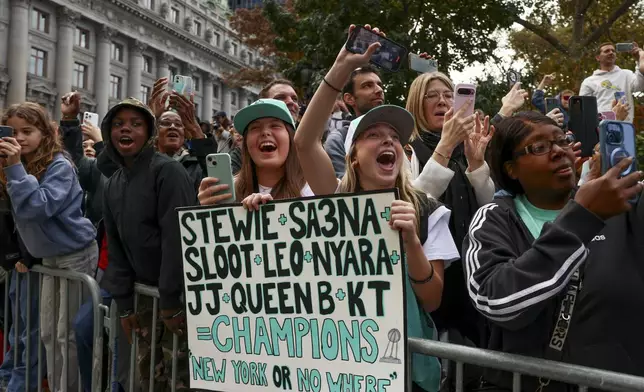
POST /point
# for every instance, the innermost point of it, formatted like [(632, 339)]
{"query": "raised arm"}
[(316, 164)]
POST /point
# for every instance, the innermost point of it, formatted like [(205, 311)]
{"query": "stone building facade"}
[(112, 49)]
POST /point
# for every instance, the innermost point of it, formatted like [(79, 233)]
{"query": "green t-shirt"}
[(533, 217)]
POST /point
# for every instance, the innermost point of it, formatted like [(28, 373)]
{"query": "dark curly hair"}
[(508, 134)]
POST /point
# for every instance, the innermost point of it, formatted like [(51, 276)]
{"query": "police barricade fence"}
[(518, 365), (86, 285)]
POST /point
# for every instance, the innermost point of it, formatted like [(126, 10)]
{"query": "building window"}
[(145, 93), (217, 39), (147, 64), (117, 52), (233, 98), (233, 49), (149, 4), (80, 75), (38, 62), (215, 91), (81, 38), (196, 81), (116, 83), (198, 28), (173, 71), (250, 58), (40, 20), (174, 15)]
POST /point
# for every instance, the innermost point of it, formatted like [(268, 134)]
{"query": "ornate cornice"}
[(66, 17)]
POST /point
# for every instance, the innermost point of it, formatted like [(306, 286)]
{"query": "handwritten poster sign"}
[(302, 295)]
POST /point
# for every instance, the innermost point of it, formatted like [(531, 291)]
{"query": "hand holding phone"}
[(183, 85), (422, 64), (91, 118), (513, 77), (218, 166), (5, 131), (462, 94), (389, 55), (552, 104)]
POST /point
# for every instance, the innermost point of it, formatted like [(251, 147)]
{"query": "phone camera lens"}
[(214, 163)]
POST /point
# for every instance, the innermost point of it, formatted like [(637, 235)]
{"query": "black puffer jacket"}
[(142, 225)]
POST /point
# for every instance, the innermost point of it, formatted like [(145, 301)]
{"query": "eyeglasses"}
[(168, 124), (434, 96), (543, 147)]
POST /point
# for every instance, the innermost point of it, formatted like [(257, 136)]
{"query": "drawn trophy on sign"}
[(392, 345)]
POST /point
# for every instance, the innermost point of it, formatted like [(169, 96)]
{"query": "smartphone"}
[(617, 141), (5, 131), (389, 56), (463, 92), (422, 65), (513, 77), (583, 122), (91, 118), (609, 115), (624, 47), (183, 85), (218, 166), (620, 96), (552, 104)]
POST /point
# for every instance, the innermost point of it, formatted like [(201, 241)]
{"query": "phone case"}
[(219, 166), (6, 131), (583, 122), (389, 56), (624, 47), (461, 97), (182, 85), (92, 118), (610, 115), (551, 104), (616, 142), (422, 65)]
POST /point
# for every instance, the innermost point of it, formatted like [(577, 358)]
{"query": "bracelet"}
[(427, 280), (174, 315), (329, 84), (442, 155)]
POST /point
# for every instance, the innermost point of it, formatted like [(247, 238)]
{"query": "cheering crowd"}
[(513, 242)]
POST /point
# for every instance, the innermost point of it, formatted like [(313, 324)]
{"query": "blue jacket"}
[(48, 213), (539, 101)]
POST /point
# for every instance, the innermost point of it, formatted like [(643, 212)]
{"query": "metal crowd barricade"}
[(114, 323), (520, 365), (59, 274)]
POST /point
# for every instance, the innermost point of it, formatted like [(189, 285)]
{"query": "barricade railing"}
[(114, 323), (59, 275), (520, 365)]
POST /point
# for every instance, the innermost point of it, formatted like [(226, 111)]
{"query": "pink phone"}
[(463, 92), (610, 115)]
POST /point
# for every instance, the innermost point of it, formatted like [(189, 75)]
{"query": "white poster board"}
[(304, 295)]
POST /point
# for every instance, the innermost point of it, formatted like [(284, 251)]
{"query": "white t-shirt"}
[(604, 84), (306, 191)]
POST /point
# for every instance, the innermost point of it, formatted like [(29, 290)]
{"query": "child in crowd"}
[(269, 165), (375, 160), (47, 199), (143, 237)]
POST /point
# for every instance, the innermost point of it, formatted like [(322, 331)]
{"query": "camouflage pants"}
[(162, 355)]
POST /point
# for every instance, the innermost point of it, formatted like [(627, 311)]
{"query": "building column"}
[(225, 100), (19, 49), (163, 65), (102, 73), (206, 103), (242, 96), (135, 68), (66, 19)]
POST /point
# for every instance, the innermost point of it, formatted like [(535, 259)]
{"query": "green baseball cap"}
[(262, 108)]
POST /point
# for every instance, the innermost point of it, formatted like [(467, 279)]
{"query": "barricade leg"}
[(49, 309)]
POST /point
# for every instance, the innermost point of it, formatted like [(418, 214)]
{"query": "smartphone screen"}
[(551, 104), (422, 65), (389, 56), (463, 92), (583, 122), (5, 131), (620, 96), (624, 47)]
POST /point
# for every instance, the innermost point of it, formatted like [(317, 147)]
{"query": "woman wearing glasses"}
[(447, 156), (558, 272)]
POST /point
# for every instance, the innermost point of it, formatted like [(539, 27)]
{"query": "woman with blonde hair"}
[(375, 161), (447, 157)]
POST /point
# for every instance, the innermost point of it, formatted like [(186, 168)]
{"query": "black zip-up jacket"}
[(518, 283), (142, 227)]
